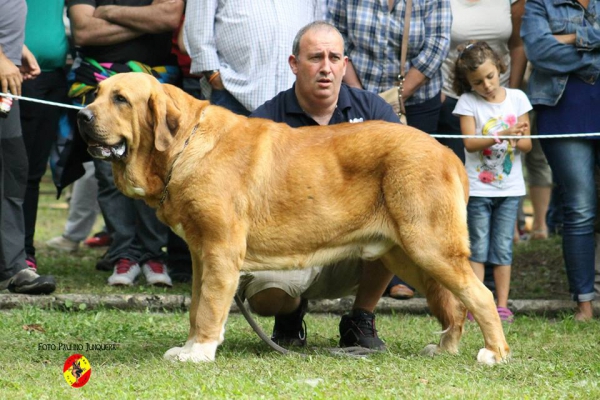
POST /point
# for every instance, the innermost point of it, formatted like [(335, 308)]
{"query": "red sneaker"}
[(100, 239)]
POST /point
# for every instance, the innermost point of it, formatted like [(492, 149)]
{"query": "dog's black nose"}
[(85, 116)]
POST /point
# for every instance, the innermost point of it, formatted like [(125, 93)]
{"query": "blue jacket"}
[(552, 61)]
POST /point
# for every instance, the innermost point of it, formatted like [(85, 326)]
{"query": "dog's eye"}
[(120, 99)]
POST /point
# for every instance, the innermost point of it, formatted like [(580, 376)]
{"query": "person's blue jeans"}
[(425, 116), (135, 229), (573, 162), (491, 228)]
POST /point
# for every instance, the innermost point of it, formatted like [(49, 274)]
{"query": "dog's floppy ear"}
[(164, 118)]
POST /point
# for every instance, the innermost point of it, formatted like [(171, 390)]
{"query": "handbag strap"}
[(403, 52)]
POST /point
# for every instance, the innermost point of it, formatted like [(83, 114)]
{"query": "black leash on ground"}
[(258, 330), (355, 351)]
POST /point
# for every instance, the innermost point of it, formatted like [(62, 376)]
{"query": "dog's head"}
[(131, 110)]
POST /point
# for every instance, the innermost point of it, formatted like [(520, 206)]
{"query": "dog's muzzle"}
[(86, 123)]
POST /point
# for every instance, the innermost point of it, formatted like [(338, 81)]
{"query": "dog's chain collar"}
[(165, 192)]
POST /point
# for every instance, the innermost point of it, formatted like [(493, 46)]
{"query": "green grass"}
[(552, 359)]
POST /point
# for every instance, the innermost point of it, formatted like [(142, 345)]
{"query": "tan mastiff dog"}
[(250, 194)]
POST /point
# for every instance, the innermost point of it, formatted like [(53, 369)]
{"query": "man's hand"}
[(29, 66), (10, 76)]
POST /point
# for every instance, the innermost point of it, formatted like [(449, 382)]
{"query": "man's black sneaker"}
[(104, 263), (358, 329), (290, 329), (27, 281)]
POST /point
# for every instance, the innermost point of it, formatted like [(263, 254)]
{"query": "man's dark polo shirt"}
[(354, 105)]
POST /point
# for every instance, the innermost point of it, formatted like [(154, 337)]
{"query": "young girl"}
[(493, 163)]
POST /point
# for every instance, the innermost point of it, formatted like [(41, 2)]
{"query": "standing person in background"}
[(16, 64), (562, 43), (471, 21), (241, 49), (494, 166), (372, 31), (46, 37), (134, 36)]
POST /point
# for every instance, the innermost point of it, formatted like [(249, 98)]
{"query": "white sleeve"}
[(199, 38), (464, 106)]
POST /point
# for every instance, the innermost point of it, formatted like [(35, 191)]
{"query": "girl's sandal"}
[(506, 315)]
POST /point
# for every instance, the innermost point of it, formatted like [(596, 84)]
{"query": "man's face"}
[(320, 65)]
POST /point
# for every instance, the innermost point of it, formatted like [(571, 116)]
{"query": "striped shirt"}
[(248, 41), (373, 37)]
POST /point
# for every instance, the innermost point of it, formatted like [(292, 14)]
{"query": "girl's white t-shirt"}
[(496, 171)]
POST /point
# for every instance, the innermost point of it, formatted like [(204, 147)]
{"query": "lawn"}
[(552, 357)]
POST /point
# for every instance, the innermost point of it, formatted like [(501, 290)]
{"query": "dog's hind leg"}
[(214, 283), (456, 275), (450, 311), (446, 307)]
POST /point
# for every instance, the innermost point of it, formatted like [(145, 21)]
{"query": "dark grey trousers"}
[(13, 183)]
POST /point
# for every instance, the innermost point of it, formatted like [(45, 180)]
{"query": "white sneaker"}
[(125, 272), (61, 243), (156, 273)]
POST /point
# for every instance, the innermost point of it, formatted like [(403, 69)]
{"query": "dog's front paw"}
[(172, 354), (192, 352), (488, 357)]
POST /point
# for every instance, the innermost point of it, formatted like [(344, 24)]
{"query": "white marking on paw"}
[(193, 352), (430, 350), (486, 356), (172, 354)]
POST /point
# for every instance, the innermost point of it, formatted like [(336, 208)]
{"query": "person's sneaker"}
[(156, 273), (31, 262), (62, 243), (27, 281), (180, 270), (358, 329), (290, 329), (99, 239), (125, 272)]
